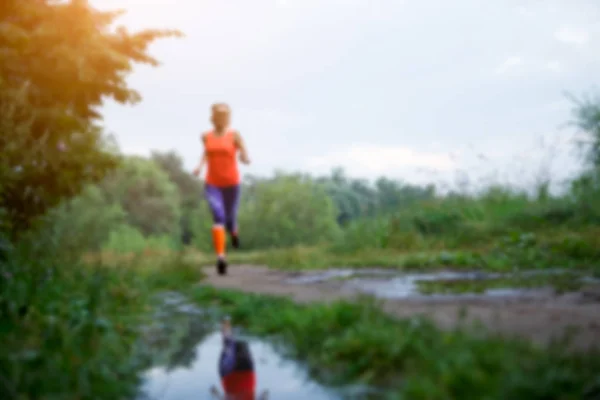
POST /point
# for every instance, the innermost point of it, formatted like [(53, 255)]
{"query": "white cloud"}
[(509, 64), (369, 159), (572, 36)]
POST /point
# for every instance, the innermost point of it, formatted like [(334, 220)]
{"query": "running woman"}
[(222, 183)]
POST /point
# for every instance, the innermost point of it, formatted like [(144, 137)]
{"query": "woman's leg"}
[(231, 200), (214, 197)]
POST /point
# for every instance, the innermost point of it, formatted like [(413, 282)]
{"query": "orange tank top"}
[(221, 151)]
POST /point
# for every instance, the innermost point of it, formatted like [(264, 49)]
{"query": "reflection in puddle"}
[(445, 285), (186, 349), (284, 379)]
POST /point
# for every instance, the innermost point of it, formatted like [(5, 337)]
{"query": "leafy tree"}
[(59, 61), (348, 201), (587, 119), (393, 194), (190, 190), (86, 221), (150, 200), (585, 190), (357, 197)]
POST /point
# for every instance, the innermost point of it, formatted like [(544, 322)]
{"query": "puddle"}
[(283, 379), (449, 284), (186, 348), (337, 274)]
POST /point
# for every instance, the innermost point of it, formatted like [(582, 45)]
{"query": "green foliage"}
[(587, 118), (200, 223), (190, 191), (411, 359), (127, 239), (84, 222), (369, 233), (286, 211), (66, 331), (73, 330), (190, 187), (124, 239), (59, 61), (149, 198), (356, 198)]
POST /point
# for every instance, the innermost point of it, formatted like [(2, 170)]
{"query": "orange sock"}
[(219, 239)]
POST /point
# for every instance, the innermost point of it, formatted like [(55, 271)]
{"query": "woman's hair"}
[(220, 107)]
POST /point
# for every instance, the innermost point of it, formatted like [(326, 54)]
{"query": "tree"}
[(394, 195), (146, 194), (59, 61), (190, 189), (356, 198), (587, 119), (89, 213)]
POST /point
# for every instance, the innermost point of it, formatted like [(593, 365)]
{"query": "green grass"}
[(355, 342), (499, 229), (72, 331), (526, 251)]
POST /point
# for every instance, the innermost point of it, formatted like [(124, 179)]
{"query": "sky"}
[(455, 92)]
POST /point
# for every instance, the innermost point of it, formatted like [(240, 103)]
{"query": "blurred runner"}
[(222, 182)]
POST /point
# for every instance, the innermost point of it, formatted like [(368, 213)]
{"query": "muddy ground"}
[(540, 318)]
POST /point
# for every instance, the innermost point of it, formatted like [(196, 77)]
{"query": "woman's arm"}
[(239, 142), (198, 170)]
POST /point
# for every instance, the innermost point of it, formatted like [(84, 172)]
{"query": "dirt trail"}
[(538, 319)]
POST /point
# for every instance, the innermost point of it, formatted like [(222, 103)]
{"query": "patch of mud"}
[(539, 315)]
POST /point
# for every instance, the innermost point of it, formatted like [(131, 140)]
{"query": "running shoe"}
[(221, 266)]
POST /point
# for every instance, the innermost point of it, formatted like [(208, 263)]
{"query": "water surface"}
[(283, 378), (391, 284), (187, 347)]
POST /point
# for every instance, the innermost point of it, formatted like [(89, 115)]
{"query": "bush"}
[(83, 223), (151, 201), (127, 239), (70, 330), (286, 211)]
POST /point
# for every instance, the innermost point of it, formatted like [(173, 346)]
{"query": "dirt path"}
[(539, 319)]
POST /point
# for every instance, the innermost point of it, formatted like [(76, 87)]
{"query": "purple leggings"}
[(223, 203)]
